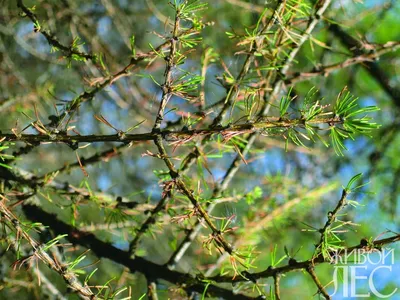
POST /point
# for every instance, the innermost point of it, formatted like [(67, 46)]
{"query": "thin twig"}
[(69, 277)]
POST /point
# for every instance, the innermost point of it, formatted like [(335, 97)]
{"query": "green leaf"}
[(337, 141), (284, 104)]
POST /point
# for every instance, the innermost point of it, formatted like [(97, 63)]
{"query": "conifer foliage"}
[(194, 149)]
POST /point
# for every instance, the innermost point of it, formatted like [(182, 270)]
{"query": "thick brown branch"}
[(170, 136)]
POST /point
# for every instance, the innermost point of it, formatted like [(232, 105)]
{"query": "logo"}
[(360, 268)]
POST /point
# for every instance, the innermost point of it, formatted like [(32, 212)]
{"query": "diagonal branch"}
[(372, 68), (364, 58), (51, 39), (138, 264), (69, 277)]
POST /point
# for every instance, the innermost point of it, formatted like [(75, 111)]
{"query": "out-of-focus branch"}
[(30, 180), (95, 158), (363, 58), (359, 48), (138, 264), (146, 224), (69, 277), (249, 6)]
